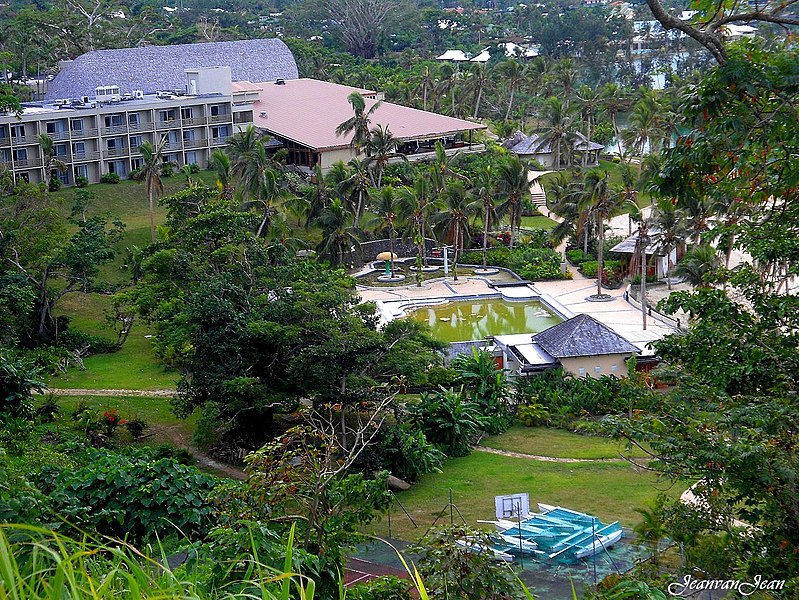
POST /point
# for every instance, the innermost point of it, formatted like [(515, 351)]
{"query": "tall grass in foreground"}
[(39, 564)]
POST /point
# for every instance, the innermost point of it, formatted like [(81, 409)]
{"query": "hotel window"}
[(113, 120), (113, 144), (64, 177), (166, 115), (82, 171), (614, 368), (17, 131), (76, 125), (219, 132), (191, 158), (187, 113), (21, 154), (136, 141), (133, 119), (597, 369), (137, 163), (78, 148), (188, 136), (581, 372), (60, 149), (218, 109)]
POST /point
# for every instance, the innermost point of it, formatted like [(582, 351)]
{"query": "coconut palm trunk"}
[(485, 235), (600, 256)]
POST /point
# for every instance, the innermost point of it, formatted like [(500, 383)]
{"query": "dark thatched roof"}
[(153, 68), (582, 336)]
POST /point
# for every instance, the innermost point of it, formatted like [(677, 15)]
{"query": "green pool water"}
[(466, 320)]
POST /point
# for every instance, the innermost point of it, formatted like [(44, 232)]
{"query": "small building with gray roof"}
[(581, 345)]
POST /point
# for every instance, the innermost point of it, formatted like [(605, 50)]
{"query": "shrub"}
[(136, 427), (194, 168), (167, 169), (54, 184), (48, 410), (533, 414), (73, 339), (81, 181), (382, 588), (449, 421), (406, 453), (131, 493), (112, 178), (530, 261), (486, 385), (577, 257)]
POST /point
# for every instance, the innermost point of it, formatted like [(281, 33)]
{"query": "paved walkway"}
[(88, 392)]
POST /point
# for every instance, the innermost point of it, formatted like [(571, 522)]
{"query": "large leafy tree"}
[(37, 248), (731, 423), (255, 329)]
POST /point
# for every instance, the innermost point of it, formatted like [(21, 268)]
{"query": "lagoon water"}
[(465, 320)]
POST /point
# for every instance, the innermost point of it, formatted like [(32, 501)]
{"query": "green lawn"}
[(542, 441), (538, 222), (164, 427), (611, 491), (133, 367)]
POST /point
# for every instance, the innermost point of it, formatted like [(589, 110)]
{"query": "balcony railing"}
[(19, 140), (5, 142), (27, 163), (84, 156), (197, 143), (112, 152), (219, 141), (228, 118), (142, 126), (115, 129), (80, 134), (172, 124), (194, 121), (59, 135)]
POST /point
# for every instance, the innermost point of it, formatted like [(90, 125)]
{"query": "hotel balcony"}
[(134, 127), (81, 134), (85, 156), (198, 143), (115, 130)]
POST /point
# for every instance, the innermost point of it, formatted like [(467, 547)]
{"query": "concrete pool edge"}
[(390, 310)]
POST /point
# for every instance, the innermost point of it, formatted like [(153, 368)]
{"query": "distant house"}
[(581, 345), (454, 56), (657, 264), (536, 148)]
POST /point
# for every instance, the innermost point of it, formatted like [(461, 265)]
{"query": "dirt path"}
[(136, 393), (554, 459), (178, 438)]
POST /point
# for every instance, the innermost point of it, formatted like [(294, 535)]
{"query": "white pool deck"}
[(617, 314)]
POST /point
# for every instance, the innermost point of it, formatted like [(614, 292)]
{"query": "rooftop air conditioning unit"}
[(262, 114), (138, 94), (62, 102), (280, 82), (84, 99)]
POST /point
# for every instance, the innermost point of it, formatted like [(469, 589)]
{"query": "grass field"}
[(164, 427), (133, 367), (542, 441), (612, 491), (537, 222)]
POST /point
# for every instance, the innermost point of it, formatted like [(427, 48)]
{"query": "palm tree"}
[(240, 147), (427, 84), (454, 219), (614, 101), (513, 184), (589, 100), (668, 229), (220, 163), (448, 86), (318, 194), (643, 131), (51, 161), (567, 199), (484, 189), (605, 203), (442, 168), (380, 148), (512, 73), (559, 134), (697, 264), (566, 79), (416, 205), (358, 124), (153, 158), (338, 236), (355, 189), (261, 183), (386, 218), (477, 82)]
